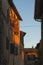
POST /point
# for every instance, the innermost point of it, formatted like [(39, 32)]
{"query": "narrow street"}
[(13, 37)]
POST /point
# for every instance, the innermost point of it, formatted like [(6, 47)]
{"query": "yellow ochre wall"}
[(16, 29)]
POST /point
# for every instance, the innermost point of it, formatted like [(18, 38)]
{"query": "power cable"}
[(31, 26)]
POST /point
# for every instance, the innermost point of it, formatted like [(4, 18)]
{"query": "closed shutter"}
[(12, 48), (7, 43), (15, 50)]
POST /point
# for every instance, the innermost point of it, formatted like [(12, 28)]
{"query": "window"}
[(0, 5), (7, 43), (8, 16), (0, 59), (11, 24), (1, 24), (13, 49), (1, 29), (31, 57), (20, 50)]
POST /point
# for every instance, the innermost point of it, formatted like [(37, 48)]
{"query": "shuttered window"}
[(13, 49), (7, 43)]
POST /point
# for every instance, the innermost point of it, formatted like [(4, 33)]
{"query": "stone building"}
[(22, 34), (9, 33), (4, 31), (38, 15), (18, 59), (30, 56)]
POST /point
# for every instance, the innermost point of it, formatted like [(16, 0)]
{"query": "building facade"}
[(18, 59), (38, 15), (9, 33), (22, 34), (5, 31)]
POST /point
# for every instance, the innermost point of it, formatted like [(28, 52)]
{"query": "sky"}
[(28, 25)]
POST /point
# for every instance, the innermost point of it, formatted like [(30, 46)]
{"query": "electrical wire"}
[(31, 26)]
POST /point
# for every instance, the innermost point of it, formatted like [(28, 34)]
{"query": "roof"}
[(14, 8), (30, 50), (22, 33)]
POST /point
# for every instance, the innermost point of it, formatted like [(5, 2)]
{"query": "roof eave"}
[(22, 33), (15, 9)]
